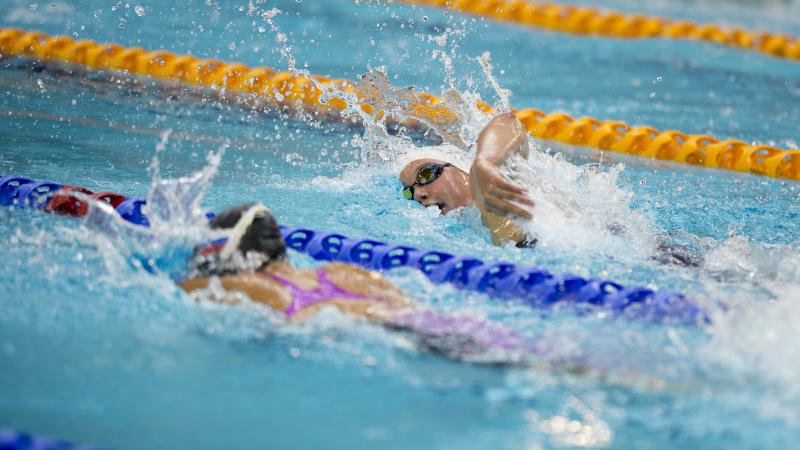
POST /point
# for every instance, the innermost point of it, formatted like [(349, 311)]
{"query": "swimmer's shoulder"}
[(256, 286), (227, 281)]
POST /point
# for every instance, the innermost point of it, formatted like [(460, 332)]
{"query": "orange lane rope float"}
[(590, 21), (289, 89)]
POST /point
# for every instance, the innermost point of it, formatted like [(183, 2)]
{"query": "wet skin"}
[(450, 191), (498, 199), (484, 185)]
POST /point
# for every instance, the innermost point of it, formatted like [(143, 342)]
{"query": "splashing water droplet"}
[(139, 9), (503, 104)]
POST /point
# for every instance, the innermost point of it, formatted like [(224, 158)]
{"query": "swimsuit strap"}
[(304, 298)]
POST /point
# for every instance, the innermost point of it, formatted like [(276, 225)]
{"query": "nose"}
[(422, 197), (428, 197), (425, 201)]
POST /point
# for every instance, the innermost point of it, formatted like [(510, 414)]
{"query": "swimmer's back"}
[(377, 297)]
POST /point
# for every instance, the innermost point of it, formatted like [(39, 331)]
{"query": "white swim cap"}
[(242, 225), (445, 152)]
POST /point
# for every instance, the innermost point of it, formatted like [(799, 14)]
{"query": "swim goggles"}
[(426, 174)]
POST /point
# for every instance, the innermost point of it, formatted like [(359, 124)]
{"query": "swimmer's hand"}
[(494, 193)]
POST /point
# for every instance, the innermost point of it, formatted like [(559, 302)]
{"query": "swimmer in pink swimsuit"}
[(304, 298), (252, 259), (439, 333)]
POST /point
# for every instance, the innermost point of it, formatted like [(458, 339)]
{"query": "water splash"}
[(504, 95), (577, 207), (281, 39), (581, 211), (760, 285), (177, 222), (175, 203)]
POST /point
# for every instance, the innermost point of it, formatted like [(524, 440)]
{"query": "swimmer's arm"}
[(492, 191), (503, 230), (497, 198), (500, 138), (255, 287)]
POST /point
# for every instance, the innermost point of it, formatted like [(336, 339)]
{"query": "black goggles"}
[(426, 174)]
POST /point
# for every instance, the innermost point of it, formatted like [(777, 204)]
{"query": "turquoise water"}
[(97, 351)]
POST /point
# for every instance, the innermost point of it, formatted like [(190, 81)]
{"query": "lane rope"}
[(20, 440), (592, 22), (289, 90), (532, 286)]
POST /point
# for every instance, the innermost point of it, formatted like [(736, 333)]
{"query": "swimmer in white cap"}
[(444, 177), (450, 182)]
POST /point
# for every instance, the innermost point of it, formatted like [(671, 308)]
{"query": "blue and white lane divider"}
[(19, 440), (532, 286)]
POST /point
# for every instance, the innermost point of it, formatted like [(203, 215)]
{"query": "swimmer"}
[(454, 184), (435, 182), (253, 261)]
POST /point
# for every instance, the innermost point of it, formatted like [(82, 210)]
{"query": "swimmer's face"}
[(449, 191)]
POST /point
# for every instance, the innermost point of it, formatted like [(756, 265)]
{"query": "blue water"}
[(97, 351)]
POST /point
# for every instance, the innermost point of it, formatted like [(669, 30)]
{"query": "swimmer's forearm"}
[(250, 285), (494, 193), (503, 136), (194, 284)]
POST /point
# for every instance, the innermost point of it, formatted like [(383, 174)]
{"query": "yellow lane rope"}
[(590, 21), (288, 89)]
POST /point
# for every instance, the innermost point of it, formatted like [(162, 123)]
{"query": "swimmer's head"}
[(252, 240), (434, 182)]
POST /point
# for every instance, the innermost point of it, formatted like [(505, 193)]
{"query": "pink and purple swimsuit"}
[(305, 298), (426, 323)]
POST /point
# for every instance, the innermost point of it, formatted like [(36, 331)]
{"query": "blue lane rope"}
[(19, 440), (532, 286)]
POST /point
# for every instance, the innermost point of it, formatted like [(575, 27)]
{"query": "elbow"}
[(508, 118)]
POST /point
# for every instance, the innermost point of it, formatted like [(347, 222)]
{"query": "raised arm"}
[(498, 198), (501, 137)]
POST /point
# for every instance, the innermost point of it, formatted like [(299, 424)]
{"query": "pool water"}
[(96, 350)]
